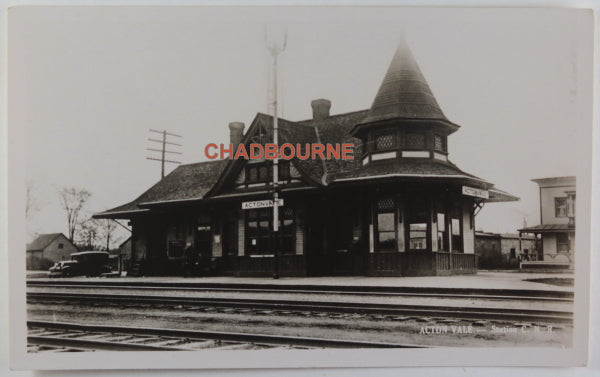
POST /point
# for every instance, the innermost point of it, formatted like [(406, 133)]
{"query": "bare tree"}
[(108, 229), (89, 233), (72, 201)]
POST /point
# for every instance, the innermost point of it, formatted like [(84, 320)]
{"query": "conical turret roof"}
[(404, 92)]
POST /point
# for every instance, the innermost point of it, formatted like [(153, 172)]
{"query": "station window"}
[(442, 234), (386, 225), (418, 225), (283, 169), (562, 242), (263, 172), (415, 140), (384, 142), (257, 173), (456, 231), (259, 231), (439, 143), (61, 245), (560, 207)]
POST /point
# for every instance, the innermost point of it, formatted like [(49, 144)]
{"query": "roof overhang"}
[(499, 196), (119, 214), (548, 228), (437, 124), (414, 178)]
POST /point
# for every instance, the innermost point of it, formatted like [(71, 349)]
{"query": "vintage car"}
[(85, 263)]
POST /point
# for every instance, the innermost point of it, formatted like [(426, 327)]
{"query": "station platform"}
[(510, 280)]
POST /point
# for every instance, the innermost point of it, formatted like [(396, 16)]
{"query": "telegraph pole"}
[(163, 150), (275, 49)]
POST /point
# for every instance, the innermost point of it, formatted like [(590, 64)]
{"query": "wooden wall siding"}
[(464, 263), (421, 264), (468, 230), (139, 239), (344, 264), (299, 220), (289, 265), (54, 254), (241, 234), (385, 264), (418, 263), (443, 262)]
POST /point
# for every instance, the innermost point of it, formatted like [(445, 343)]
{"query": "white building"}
[(556, 233)]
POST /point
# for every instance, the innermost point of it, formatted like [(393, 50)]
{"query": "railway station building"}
[(399, 208)]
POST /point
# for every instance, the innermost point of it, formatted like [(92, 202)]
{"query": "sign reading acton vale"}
[(472, 191), (261, 204)]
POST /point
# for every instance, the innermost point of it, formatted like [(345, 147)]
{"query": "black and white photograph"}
[(267, 187)]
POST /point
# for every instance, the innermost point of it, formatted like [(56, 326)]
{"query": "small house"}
[(46, 249)]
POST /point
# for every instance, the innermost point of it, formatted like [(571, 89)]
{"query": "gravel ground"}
[(405, 330), (379, 299), (483, 279)]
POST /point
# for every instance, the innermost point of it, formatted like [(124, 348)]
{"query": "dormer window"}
[(415, 140), (263, 172), (284, 170), (384, 142), (257, 173), (439, 143)]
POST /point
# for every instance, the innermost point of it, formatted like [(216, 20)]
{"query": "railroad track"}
[(490, 294), (71, 337), (316, 308)]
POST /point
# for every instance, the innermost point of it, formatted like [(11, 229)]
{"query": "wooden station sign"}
[(261, 204)]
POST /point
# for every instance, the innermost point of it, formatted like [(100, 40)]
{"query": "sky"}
[(85, 84)]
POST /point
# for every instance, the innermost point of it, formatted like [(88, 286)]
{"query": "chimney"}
[(236, 132), (320, 108)]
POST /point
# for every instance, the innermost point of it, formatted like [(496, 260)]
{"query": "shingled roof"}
[(404, 92), (186, 182), (336, 129), (198, 181), (43, 240)]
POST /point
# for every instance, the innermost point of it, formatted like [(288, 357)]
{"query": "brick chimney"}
[(320, 108), (236, 133)]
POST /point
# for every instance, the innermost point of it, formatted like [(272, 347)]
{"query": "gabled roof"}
[(288, 132), (186, 182), (404, 92), (194, 182), (43, 240), (336, 129)]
